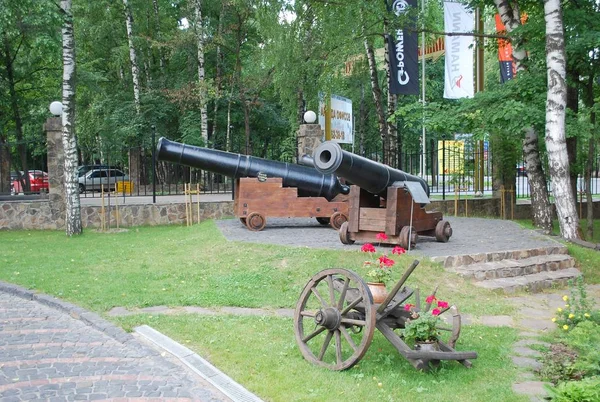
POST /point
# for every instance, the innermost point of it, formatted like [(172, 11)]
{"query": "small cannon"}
[(382, 199), (335, 320), (264, 187)]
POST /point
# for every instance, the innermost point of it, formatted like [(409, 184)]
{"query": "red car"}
[(38, 180)]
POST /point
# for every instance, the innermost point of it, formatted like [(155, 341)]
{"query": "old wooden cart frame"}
[(348, 308)]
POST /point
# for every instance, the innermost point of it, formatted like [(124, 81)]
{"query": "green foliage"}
[(586, 390), (422, 328), (577, 307)]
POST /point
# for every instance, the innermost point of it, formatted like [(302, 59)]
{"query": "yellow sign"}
[(451, 157), (124, 187)]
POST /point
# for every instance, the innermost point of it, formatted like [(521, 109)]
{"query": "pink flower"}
[(442, 304), (408, 306), (381, 236), (430, 299), (436, 311), (398, 250), (367, 248), (385, 261)]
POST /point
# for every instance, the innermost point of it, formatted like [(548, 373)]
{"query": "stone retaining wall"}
[(31, 215)]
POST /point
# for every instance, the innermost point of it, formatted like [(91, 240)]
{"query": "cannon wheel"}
[(345, 234), (334, 319), (323, 221), (443, 231), (255, 221), (403, 237), (337, 220)]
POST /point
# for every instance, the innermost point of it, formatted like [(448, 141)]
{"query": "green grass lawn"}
[(181, 266)]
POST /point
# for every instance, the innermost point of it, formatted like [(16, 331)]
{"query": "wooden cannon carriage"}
[(335, 319), (382, 200), (266, 188)]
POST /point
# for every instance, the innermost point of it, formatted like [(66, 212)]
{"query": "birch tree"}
[(73, 210), (200, 39), (556, 103), (541, 207)]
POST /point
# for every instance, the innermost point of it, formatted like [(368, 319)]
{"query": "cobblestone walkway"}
[(48, 355)]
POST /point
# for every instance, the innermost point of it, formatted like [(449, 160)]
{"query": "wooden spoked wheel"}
[(345, 234), (255, 221), (337, 220), (405, 232), (334, 319), (443, 231), (450, 331), (323, 221)]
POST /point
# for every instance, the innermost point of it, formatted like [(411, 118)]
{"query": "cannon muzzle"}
[(310, 183), (374, 177)]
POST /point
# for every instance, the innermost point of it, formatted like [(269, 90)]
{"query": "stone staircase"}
[(512, 271)]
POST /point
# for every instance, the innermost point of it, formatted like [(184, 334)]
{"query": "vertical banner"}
[(403, 52), (458, 81), (508, 68)]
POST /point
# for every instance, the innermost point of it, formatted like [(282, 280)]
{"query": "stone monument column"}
[(56, 169), (310, 137)]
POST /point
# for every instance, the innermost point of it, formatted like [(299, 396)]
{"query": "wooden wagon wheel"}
[(404, 233), (443, 231), (255, 221), (345, 234), (334, 319), (337, 220), (323, 220)]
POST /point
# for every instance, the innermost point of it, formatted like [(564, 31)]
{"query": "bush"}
[(577, 307), (586, 390)]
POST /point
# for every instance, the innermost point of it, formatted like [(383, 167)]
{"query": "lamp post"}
[(56, 108), (310, 117)]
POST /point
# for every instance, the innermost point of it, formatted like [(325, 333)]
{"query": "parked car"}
[(83, 169), (97, 179), (37, 178), (521, 169)]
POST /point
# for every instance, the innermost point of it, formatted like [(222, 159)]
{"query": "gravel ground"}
[(470, 236)]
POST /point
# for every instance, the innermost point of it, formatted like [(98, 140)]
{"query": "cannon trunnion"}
[(382, 199), (265, 188)]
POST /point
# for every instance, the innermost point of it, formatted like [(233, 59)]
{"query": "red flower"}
[(381, 236), (385, 261), (398, 250), (442, 304), (367, 248), (430, 299), (408, 306), (436, 311)]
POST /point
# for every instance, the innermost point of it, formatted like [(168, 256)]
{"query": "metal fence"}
[(13, 180)]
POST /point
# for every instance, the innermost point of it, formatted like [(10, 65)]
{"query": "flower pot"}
[(427, 346), (378, 291)]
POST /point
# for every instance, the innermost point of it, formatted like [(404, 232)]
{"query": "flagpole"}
[(424, 158)]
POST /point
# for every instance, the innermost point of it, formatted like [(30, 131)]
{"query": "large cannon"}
[(382, 199), (264, 187)]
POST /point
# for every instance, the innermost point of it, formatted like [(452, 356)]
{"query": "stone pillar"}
[(310, 137), (56, 169)]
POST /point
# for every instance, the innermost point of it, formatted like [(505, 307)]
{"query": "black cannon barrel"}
[(374, 177), (310, 183)]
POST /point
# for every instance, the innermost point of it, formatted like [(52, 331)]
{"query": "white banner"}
[(341, 118), (458, 81)]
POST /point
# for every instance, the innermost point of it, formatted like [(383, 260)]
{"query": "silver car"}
[(97, 179)]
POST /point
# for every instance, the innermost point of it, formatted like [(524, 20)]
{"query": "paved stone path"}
[(46, 354)]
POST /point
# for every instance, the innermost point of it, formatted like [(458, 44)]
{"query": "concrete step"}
[(530, 283), (468, 259), (515, 267)]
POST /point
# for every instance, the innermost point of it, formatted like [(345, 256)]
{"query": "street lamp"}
[(310, 117), (56, 108)]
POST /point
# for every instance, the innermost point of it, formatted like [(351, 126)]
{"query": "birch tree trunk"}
[(134, 153), (511, 18), (218, 72), (376, 91), (199, 32), (158, 35), (73, 207), (556, 103)]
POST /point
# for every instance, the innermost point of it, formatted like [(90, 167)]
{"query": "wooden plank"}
[(391, 227), (354, 209)]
